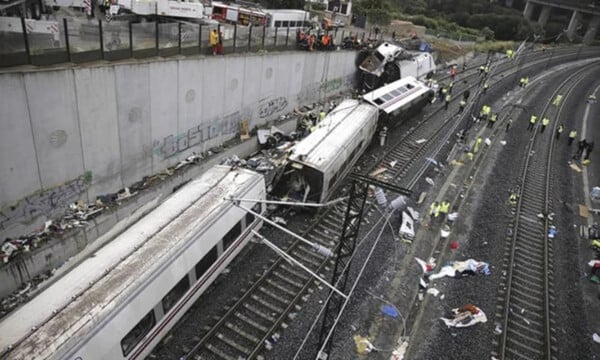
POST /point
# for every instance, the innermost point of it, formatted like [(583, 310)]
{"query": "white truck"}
[(170, 8)]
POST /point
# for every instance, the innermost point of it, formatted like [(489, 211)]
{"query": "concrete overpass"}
[(580, 8)]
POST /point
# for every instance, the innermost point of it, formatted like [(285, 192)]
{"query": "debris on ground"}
[(400, 351), (595, 193), (575, 167), (420, 141), (426, 266), (390, 311), (552, 231), (462, 268), (596, 338), (363, 345), (453, 245), (433, 291), (465, 316)]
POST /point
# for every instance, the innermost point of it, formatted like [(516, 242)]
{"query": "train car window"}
[(175, 294), (285, 23), (206, 262), (278, 23), (378, 101), (138, 332), (292, 24), (233, 234), (250, 217)]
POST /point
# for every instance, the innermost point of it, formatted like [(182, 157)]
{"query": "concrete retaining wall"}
[(76, 133)]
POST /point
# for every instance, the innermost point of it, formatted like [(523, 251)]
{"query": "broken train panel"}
[(318, 163)]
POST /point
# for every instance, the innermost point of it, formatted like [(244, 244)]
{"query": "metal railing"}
[(79, 40)]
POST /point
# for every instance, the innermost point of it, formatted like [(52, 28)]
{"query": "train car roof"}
[(333, 132), (394, 96), (69, 306)]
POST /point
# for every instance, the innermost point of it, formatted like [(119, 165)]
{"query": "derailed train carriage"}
[(321, 161), (119, 303)]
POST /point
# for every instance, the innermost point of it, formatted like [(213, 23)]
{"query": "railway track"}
[(251, 325), (526, 291)]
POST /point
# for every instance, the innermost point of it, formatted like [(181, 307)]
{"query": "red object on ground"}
[(453, 245)]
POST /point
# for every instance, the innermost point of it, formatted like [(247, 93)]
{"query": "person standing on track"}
[(572, 136), (532, 121), (559, 131), (545, 122)]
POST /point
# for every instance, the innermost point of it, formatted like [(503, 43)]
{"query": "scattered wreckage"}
[(465, 316)]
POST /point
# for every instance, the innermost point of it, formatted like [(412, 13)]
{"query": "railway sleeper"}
[(307, 261), (219, 353), (261, 314), (320, 240), (233, 344), (242, 333), (334, 223), (518, 336), (310, 252), (295, 272), (529, 246), (326, 235), (266, 304), (531, 263), (525, 284), (521, 271), (287, 280), (273, 295), (251, 322), (281, 287)]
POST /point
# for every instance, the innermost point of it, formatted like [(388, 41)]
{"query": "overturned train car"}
[(390, 62), (320, 162)]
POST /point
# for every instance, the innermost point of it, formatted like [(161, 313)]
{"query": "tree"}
[(379, 17), (487, 33)]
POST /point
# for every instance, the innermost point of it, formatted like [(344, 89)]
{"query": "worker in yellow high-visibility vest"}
[(545, 122), (532, 121)]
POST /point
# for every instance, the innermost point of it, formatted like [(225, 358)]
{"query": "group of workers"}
[(440, 212), (312, 41)]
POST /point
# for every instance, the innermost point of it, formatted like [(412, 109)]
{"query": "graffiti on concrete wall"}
[(43, 203), (312, 91), (198, 134), (270, 107)]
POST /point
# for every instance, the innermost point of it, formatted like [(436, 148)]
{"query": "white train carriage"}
[(120, 302), (400, 99), (320, 161)]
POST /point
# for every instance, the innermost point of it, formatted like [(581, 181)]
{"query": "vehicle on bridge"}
[(120, 302), (191, 10)]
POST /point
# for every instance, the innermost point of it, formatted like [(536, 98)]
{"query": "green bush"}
[(318, 7)]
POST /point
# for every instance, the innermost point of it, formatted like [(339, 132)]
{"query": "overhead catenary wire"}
[(316, 321)]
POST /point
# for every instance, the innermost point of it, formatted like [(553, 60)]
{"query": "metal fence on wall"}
[(78, 40)]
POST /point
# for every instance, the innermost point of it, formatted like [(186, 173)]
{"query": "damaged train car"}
[(389, 62), (318, 164)]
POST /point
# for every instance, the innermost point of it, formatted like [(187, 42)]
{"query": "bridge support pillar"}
[(573, 24), (528, 12), (544, 15), (592, 30)]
